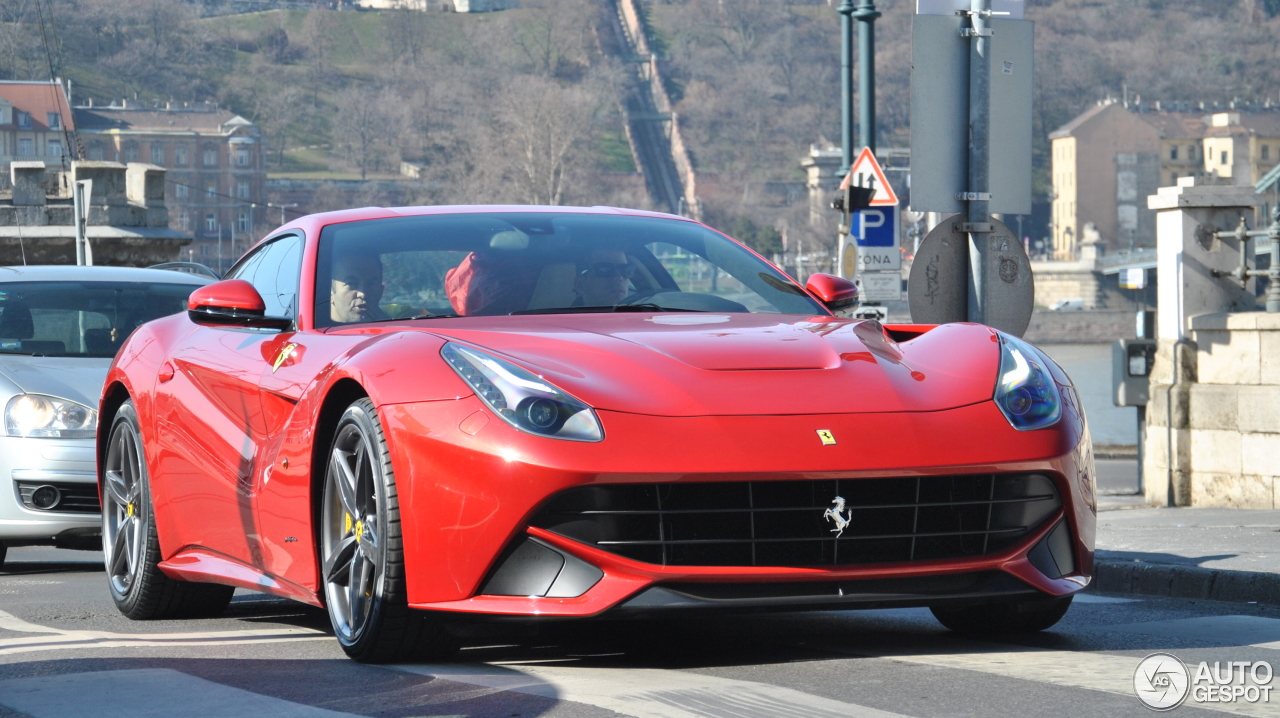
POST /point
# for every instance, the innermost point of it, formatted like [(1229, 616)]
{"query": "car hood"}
[(79, 379), (743, 364)]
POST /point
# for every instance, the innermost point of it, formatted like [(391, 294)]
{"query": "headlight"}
[(521, 398), (1025, 390), (49, 417)]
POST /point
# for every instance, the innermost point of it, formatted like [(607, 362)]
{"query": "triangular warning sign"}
[(866, 172)]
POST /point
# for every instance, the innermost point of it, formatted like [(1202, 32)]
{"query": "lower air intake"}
[(805, 523)]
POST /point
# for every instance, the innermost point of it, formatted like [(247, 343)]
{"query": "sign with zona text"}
[(876, 230)]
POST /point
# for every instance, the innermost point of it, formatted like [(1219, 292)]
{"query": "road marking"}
[(1074, 669), (1095, 598), (1252, 631), (56, 638), (144, 693), (648, 692)]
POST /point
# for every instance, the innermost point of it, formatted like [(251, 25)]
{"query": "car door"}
[(211, 427)]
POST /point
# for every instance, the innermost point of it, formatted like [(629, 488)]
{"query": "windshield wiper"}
[(608, 308), (420, 315)]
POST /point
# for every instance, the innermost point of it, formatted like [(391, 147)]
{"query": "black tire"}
[(139, 588), (362, 553), (1001, 619), (3, 551)]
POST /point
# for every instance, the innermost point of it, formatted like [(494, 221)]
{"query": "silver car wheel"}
[(123, 532), (353, 551)]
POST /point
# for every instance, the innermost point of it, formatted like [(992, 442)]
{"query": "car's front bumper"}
[(69, 462), (467, 497)]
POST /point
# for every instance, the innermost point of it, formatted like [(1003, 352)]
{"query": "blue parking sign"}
[(877, 227)]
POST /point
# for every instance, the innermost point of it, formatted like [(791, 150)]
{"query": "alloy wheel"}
[(353, 550), (123, 531)]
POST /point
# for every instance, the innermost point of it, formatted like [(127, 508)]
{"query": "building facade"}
[(36, 123), (1110, 158), (215, 187)]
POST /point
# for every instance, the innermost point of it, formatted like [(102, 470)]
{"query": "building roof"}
[(1185, 125), (39, 99), (155, 119), (1176, 125), (1068, 129)]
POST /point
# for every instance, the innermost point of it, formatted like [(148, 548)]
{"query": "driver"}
[(356, 288), (603, 278)]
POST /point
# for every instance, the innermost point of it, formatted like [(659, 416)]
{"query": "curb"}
[(1154, 579)]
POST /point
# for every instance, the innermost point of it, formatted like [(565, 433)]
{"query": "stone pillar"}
[(145, 188), (1189, 255), (28, 183)]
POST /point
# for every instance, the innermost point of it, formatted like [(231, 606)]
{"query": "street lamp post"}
[(846, 85), (866, 15)]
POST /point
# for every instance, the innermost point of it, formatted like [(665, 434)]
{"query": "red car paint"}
[(229, 432)]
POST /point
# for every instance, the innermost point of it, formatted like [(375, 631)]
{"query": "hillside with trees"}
[(523, 105)]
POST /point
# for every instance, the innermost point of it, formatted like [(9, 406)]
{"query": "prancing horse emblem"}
[(835, 514)]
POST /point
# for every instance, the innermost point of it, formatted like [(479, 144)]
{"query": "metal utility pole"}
[(979, 194), (846, 85), (80, 194), (866, 15)]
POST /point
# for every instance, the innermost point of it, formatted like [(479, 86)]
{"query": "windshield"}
[(81, 319), (534, 263)]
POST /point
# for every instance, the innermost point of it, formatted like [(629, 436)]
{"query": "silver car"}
[(60, 327)]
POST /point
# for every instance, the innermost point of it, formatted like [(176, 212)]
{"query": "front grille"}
[(786, 523), (72, 498)]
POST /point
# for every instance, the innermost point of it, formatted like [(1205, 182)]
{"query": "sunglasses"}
[(605, 270)]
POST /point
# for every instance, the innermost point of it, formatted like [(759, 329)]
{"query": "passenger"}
[(489, 283), (603, 278), (356, 288)]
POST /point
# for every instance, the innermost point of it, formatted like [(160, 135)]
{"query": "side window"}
[(273, 269)]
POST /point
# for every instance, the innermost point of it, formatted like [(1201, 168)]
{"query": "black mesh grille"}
[(785, 523), (73, 498)]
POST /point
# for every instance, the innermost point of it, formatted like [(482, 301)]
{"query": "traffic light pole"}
[(846, 86), (866, 15)]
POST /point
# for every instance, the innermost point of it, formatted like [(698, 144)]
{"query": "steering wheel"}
[(639, 297)]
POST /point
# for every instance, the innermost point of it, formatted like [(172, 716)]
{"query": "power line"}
[(254, 203), (55, 77)]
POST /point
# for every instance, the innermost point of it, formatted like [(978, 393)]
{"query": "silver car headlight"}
[(523, 399), (37, 415), (1025, 390)]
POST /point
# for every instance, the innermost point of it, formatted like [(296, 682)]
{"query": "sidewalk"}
[(1214, 554)]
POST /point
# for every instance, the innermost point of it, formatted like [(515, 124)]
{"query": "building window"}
[(210, 190), (1173, 179), (54, 148), (242, 158), (157, 154), (1266, 152), (184, 221), (210, 158), (1224, 157), (180, 156), (242, 190), (1173, 152), (130, 152), (211, 223), (1192, 151), (23, 120), (180, 191), (26, 147), (54, 120), (95, 152), (242, 222)]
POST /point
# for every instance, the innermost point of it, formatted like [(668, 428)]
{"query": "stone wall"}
[(1224, 413), (1234, 411)]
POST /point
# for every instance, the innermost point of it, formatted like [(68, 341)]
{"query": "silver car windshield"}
[(81, 319)]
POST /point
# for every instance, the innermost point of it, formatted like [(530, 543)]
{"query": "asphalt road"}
[(65, 651)]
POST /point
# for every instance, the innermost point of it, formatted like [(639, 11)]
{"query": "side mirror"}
[(839, 295), (232, 303)]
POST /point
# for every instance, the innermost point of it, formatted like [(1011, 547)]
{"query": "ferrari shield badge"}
[(837, 514), (283, 356), (828, 439)]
